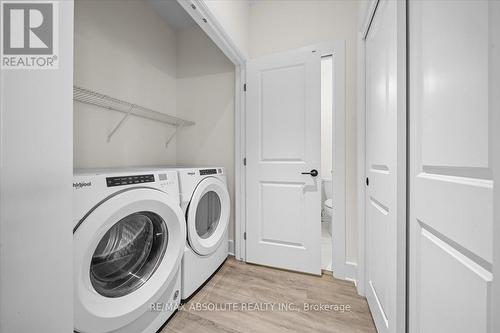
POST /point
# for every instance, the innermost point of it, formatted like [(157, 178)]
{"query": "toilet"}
[(328, 208), (327, 203)]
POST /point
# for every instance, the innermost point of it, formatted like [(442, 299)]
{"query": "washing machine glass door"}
[(127, 251), (208, 215), (128, 254)]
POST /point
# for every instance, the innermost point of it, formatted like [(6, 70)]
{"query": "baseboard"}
[(351, 270), (230, 247)]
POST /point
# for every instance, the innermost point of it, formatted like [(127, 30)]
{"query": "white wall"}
[(127, 51), (279, 25), (205, 90), (326, 117), (233, 15), (36, 238)]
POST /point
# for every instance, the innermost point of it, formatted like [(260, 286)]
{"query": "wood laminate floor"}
[(219, 306)]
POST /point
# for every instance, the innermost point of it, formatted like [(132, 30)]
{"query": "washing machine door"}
[(126, 251), (208, 215)]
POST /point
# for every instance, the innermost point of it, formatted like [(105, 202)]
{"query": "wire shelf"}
[(91, 97)]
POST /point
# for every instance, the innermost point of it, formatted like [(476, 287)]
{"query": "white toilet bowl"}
[(328, 207), (327, 203), (327, 214)]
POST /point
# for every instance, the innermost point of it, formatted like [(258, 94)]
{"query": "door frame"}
[(402, 189), (209, 23), (494, 104), (340, 268)]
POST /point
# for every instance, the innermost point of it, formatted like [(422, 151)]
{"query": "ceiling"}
[(175, 16)]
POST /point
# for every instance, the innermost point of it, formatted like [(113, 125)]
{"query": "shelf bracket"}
[(122, 121), (170, 138)]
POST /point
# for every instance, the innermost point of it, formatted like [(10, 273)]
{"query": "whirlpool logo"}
[(30, 35), (81, 185)]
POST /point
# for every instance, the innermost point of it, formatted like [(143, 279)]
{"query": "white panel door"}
[(283, 141), (451, 196), (385, 184)]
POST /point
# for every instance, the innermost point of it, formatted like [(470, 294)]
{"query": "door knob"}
[(313, 173)]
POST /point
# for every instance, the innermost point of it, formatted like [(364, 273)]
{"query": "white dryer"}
[(128, 240), (206, 203)]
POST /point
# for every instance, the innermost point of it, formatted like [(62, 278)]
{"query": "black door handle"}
[(313, 173)]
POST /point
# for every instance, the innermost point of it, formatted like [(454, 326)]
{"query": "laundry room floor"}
[(241, 297)]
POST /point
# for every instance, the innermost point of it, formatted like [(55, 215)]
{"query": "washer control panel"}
[(129, 180)]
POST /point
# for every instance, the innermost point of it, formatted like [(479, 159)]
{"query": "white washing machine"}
[(128, 241), (206, 204)]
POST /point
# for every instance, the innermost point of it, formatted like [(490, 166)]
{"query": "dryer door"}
[(208, 215), (127, 251)]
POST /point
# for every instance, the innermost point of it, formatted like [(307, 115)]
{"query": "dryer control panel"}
[(129, 180), (205, 172)]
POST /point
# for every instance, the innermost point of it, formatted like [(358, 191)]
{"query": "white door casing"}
[(283, 140), (451, 198), (209, 23), (385, 169), (494, 106)]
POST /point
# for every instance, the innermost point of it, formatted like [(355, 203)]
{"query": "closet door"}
[(385, 166), (451, 196)]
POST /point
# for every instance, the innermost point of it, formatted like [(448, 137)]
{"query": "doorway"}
[(326, 161)]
